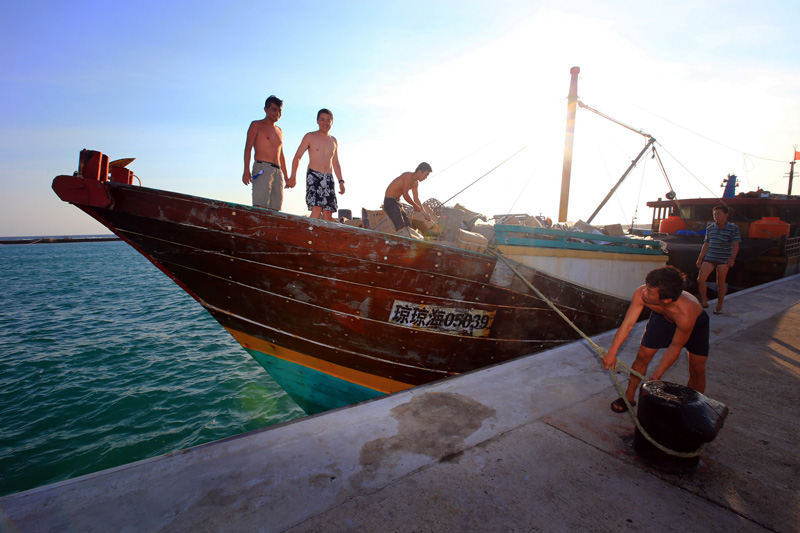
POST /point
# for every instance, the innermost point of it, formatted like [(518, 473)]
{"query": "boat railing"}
[(515, 235)]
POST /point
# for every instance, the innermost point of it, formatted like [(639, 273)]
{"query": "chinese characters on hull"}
[(450, 320)]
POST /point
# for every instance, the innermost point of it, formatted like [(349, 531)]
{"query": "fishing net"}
[(434, 206)]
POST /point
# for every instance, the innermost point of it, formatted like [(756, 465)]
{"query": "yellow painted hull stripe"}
[(364, 379)]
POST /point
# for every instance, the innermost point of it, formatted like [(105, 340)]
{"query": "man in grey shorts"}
[(269, 169)]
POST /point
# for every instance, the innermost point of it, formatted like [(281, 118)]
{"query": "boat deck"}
[(526, 445)]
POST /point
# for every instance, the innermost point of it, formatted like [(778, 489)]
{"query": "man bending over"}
[(677, 320), (401, 186)]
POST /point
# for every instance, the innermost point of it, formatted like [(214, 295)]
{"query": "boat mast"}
[(572, 104), (650, 142)]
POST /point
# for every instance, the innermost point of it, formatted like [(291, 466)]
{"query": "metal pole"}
[(649, 143), (566, 171)]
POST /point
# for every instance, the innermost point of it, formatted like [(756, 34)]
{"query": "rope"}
[(479, 179), (600, 352), (666, 178)]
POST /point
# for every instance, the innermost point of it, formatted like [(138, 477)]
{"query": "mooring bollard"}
[(678, 418)]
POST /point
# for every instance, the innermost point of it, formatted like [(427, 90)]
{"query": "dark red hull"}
[(339, 314)]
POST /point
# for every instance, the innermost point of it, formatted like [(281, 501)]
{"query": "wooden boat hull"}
[(338, 314)]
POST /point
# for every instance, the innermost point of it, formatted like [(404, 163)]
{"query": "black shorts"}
[(659, 333), (395, 213)]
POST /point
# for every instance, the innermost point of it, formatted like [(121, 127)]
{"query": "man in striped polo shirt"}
[(719, 252)]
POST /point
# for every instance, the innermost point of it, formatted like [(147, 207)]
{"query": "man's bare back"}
[(682, 312), (402, 185), (399, 186), (663, 294)]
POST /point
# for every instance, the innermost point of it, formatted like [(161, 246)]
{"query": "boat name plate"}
[(449, 320)]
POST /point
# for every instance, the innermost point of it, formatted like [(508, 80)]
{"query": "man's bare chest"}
[(323, 147)]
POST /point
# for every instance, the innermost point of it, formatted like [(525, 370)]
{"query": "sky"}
[(477, 89)]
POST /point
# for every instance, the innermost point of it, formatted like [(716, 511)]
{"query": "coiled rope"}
[(601, 352)]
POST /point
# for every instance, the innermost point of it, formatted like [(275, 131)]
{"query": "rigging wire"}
[(511, 209), (451, 165), (677, 203), (709, 138), (479, 179), (776, 181), (620, 206), (601, 157), (639, 195), (663, 170), (666, 178), (686, 169)]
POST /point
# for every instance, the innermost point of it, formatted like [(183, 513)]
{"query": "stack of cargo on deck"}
[(444, 228)]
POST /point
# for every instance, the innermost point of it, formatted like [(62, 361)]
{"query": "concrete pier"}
[(529, 445)]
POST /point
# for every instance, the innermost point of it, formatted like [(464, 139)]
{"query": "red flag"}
[(796, 155)]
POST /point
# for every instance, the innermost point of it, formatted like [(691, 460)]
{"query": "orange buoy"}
[(769, 228), (671, 224)]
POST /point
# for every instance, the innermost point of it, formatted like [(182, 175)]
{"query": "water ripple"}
[(105, 361)]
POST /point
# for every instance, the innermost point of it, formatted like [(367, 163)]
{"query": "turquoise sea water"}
[(104, 361)]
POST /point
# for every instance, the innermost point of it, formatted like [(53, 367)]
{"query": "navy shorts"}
[(659, 333)]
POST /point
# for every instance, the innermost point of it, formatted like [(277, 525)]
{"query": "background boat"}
[(769, 225)]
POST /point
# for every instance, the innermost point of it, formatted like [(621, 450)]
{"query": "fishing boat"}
[(769, 224), (339, 314)]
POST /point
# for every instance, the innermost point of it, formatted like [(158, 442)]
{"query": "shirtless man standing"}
[(677, 320), (323, 160), (400, 186), (269, 168)]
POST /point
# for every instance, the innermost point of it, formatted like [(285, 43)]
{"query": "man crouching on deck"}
[(401, 186), (677, 320)]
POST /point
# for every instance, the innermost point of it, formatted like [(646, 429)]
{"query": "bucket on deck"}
[(678, 418)]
